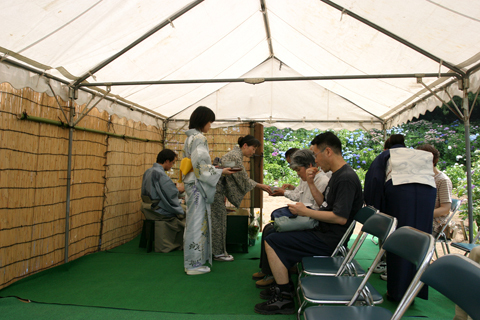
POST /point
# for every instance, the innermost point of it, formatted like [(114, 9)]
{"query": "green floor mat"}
[(129, 280)]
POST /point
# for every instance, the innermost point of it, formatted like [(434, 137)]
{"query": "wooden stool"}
[(147, 238)]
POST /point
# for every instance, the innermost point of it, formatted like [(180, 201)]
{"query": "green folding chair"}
[(442, 275), (346, 289), (442, 237), (337, 264)]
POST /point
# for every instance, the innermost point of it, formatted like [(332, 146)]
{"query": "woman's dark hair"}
[(387, 145), (429, 148), (290, 152), (397, 139), (166, 154), (249, 140), (200, 117)]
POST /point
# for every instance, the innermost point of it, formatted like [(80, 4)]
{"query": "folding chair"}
[(467, 247), (442, 275), (345, 289), (441, 236), (332, 265)]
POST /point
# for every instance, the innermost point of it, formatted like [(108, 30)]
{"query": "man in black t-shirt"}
[(340, 202)]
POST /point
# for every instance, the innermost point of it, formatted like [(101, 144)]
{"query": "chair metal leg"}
[(448, 247), (443, 248), (298, 294), (300, 309), (436, 253), (299, 281)]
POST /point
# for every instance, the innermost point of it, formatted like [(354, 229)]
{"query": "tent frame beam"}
[(458, 113), (130, 105), (395, 37), (272, 121), (263, 7), (152, 31), (261, 80)]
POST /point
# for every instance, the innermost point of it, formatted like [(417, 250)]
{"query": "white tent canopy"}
[(196, 52), (328, 64)]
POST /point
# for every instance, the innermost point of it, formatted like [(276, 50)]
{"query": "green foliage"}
[(361, 175), (361, 147), (462, 190)]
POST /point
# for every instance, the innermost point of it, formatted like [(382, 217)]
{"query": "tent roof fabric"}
[(102, 42)]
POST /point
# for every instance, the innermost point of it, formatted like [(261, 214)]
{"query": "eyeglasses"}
[(315, 154)]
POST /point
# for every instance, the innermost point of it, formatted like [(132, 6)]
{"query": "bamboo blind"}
[(106, 181), (126, 163), (32, 185)]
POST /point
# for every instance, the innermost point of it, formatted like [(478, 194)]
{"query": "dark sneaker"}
[(280, 303), (267, 294)]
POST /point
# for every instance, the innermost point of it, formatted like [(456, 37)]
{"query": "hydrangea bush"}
[(360, 148)]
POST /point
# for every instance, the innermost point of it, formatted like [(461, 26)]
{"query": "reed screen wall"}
[(105, 188)]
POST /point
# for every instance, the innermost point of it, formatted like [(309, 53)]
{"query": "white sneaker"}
[(381, 267), (223, 257), (199, 270), (383, 276)]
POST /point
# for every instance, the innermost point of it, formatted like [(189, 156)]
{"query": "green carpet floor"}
[(128, 283)]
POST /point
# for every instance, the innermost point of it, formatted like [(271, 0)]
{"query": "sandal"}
[(223, 257)]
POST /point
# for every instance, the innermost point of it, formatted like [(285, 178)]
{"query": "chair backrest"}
[(417, 247), (380, 225), (410, 244), (364, 213), (361, 216), (455, 205), (453, 211), (458, 278)]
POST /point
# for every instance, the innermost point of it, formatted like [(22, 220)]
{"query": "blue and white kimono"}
[(200, 186)]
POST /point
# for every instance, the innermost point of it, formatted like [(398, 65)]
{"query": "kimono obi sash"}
[(185, 168), (412, 166)]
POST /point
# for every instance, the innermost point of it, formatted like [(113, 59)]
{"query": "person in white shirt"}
[(309, 192)]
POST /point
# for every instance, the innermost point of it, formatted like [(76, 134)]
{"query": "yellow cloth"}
[(185, 167)]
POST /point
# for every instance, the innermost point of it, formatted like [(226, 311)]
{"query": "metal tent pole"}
[(394, 36), (263, 7), (69, 181), (261, 80), (468, 164)]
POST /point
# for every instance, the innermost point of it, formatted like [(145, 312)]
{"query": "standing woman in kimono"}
[(400, 182), (200, 180), (234, 187)]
